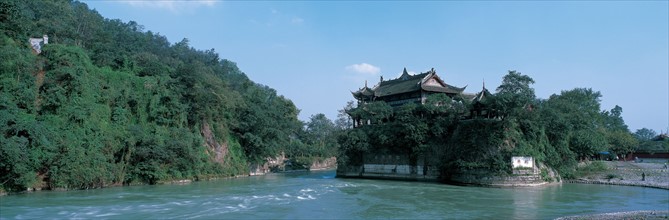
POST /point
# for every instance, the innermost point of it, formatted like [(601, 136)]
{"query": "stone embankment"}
[(519, 178), (654, 175), (629, 173)]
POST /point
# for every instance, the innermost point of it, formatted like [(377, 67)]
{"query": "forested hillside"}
[(108, 103)]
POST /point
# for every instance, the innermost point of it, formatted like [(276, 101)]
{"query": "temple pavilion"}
[(406, 89)]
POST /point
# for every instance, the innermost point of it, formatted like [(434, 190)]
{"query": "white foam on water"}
[(209, 213), (89, 212), (77, 215), (262, 197), (345, 185), (153, 208), (177, 203), (306, 190), (127, 208), (286, 195), (107, 214), (274, 198)]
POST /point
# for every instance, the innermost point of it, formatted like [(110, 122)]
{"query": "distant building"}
[(36, 43), (481, 106), (655, 150), (406, 89)]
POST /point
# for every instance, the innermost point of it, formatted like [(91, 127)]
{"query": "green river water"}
[(318, 195)]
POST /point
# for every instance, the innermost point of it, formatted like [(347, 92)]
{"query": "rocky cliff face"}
[(275, 164), (326, 163), (218, 150), (281, 163)]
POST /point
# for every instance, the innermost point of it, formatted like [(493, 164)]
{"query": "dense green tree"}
[(645, 134), (518, 84), (319, 127), (578, 112), (319, 135), (514, 94), (354, 143), (621, 141), (613, 119), (344, 120), (109, 103), (377, 112), (649, 141)]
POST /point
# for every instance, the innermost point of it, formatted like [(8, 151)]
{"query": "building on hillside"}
[(36, 43), (406, 89), (481, 106)]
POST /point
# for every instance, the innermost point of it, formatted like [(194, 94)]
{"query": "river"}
[(319, 195)]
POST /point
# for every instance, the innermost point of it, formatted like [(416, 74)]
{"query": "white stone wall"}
[(36, 43), (522, 162)]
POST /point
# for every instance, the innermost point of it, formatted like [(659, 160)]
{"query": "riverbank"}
[(254, 170), (627, 173), (647, 215)]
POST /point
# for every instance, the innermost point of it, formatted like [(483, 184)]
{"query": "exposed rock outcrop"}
[(327, 163), (275, 164), (281, 163), (219, 150)]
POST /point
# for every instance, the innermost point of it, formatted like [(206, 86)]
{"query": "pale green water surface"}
[(310, 195)]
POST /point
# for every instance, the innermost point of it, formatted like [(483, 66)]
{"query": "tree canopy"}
[(109, 103)]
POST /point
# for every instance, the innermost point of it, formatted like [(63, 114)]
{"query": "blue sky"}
[(315, 53)]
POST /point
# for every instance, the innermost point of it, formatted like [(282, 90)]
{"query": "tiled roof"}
[(365, 92), (410, 83), (406, 83), (482, 95)]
